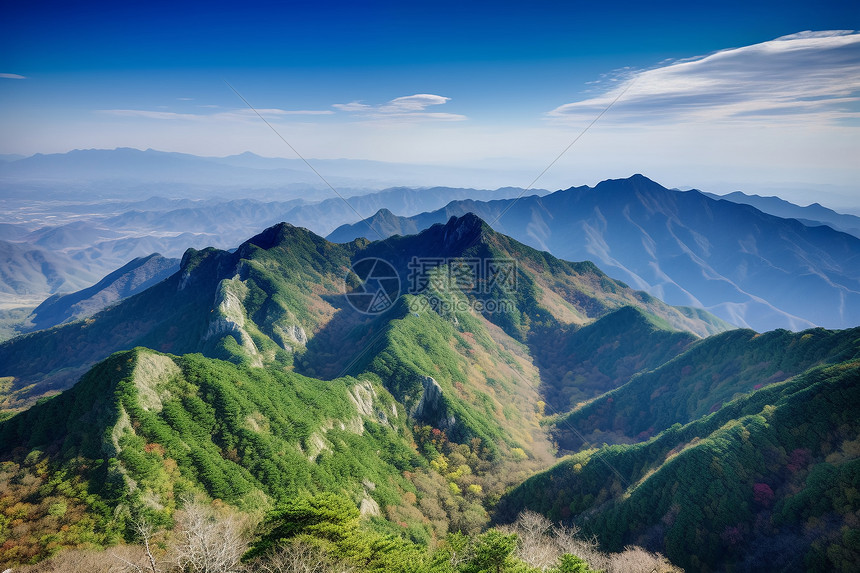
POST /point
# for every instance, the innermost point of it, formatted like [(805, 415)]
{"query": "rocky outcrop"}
[(230, 318), (289, 336), (150, 373), (431, 399)]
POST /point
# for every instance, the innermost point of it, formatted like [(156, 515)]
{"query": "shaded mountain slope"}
[(132, 278), (708, 375), (767, 482), (579, 364)]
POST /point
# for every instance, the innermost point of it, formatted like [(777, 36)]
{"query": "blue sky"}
[(710, 99)]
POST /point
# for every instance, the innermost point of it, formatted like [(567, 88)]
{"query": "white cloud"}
[(405, 108), (354, 106), (274, 111), (12, 77), (150, 114), (242, 114), (810, 77), (400, 110)]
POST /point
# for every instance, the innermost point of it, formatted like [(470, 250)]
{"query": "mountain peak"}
[(276, 235), (637, 180), (467, 228)]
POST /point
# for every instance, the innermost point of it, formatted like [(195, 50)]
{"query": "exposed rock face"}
[(363, 395), (231, 317), (184, 279), (431, 406), (290, 335), (150, 372), (369, 507)]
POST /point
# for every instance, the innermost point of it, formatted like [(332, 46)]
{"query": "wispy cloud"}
[(149, 114), (235, 115), (273, 111), (805, 77), (12, 77), (402, 109), (406, 108)]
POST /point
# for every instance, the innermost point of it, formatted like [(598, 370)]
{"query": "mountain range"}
[(123, 172), (745, 266), (427, 379), (51, 247), (812, 215), (442, 370), (671, 244), (172, 317)]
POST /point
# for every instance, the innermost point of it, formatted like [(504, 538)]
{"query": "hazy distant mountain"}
[(28, 270), (812, 215), (124, 172), (745, 266), (324, 217), (143, 166), (12, 232), (86, 239), (77, 234), (132, 278), (383, 224)]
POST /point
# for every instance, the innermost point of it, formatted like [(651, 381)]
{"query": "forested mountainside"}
[(768, 481), (289, 382)]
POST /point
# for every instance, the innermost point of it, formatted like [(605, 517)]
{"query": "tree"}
[(298, 557), (206, 542), (534, 544), (571, 564), (492, 552), (326, 516)]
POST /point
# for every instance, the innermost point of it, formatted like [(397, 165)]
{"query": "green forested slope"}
[(702, 380), (770, 480), (275, 388), (143, 428), (578, 364)]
